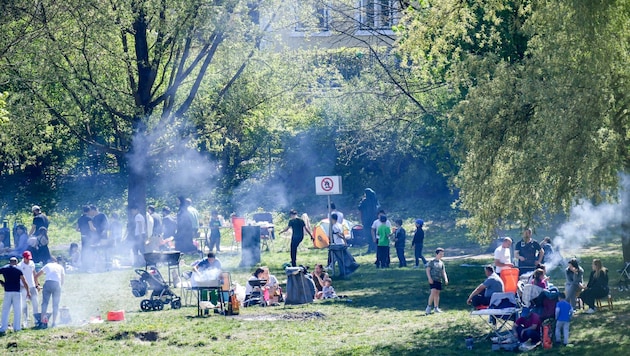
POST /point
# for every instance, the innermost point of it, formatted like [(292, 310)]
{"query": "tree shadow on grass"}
[(407, 288)]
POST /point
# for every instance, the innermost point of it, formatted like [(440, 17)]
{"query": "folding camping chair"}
[(624, 278), (500, 314)]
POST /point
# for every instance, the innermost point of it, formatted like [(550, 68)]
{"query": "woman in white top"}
[(55, 275)]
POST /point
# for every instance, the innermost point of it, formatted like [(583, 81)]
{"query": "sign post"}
[(328, 185)]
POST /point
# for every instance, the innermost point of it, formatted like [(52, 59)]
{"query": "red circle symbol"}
[(327, 184)]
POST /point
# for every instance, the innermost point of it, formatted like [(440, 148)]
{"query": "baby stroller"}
[(161, 294)]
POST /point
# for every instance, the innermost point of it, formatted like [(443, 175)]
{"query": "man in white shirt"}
[(140, 233), (28, 270), (503, 256)]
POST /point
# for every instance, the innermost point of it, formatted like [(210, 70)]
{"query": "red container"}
[(117, 315)]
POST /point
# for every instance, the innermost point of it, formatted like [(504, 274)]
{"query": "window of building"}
[(377, 14)]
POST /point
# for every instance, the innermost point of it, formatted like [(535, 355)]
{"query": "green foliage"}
[(541, 119)]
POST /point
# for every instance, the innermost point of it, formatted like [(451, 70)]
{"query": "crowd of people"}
[(529, 257)]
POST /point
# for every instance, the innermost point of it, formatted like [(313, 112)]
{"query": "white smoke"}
[(586, 221)]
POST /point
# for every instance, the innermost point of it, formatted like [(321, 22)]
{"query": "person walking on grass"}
[(436, 273), (418, 243), (297, 227)]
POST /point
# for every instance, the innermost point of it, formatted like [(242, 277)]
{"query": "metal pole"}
[(330, 237)]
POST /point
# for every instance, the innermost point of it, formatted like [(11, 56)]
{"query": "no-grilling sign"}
[(328, 185)]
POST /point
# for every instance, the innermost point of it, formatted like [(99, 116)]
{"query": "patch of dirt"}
[(286, 316), (147, 336)]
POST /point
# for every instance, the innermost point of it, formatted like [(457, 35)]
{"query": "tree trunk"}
[(625, 225), (137, 169)]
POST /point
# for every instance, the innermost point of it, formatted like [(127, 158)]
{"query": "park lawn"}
[(384, 317)]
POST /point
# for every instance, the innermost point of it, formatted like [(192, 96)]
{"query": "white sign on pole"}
[(328, 185)]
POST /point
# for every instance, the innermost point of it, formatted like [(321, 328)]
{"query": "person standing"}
[(482, 294), (55, 275), (194, 214), (86, 228), (564, 311), (597, 286), (215, 232), (436, 273), (297, 227), (158, 228), (503, 255), (368, 211), (139, 235), (418, 243), (28, 270), (575, 279), (400, 235), (100, 222), (383, 232), (528, 253), (185, 231), (39, 220), (375, 226), (333, 210), (12, 296)]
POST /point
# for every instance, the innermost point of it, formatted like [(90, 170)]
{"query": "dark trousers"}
[(534, 335), (417, 251), (294, 246), (382, 256), (137, 248), (479, 299), (400, 252), (588, 296), (214, 242)]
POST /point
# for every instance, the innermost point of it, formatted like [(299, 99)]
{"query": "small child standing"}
[(436, 273), (399, 243), (564, 311), (328, 291)]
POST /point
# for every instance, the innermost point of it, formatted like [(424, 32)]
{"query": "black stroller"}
[(161, 294)]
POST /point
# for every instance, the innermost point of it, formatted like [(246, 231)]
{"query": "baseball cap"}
[(525, 312), (27, 254), (13, 259), (35, 208), (419, 222)]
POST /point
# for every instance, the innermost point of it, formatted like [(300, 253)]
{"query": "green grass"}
[(385, 317)]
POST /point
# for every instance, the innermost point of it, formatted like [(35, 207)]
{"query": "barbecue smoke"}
[(586, 221)]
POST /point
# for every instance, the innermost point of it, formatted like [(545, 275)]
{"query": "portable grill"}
[(169, 258)]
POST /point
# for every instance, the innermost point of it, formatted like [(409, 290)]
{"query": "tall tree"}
[(542, 120), (121, 75)]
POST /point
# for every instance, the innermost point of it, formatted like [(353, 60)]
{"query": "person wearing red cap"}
[(27, 266)]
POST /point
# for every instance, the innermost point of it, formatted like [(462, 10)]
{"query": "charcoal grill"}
[(169, 258)]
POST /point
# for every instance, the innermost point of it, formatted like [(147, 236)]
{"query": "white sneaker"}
[(437, 310), (428, 310), (416, 266), (590, 311)]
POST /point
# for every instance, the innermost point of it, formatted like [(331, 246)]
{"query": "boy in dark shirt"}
[(399, 243), (418, 242)]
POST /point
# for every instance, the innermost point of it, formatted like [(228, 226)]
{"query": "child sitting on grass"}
[(328, 291)]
